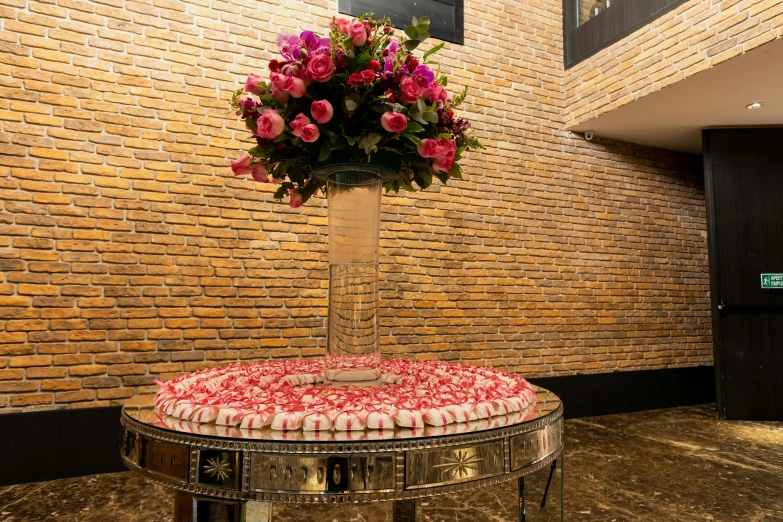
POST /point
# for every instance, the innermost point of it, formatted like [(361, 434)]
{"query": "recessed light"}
[(754, 105)]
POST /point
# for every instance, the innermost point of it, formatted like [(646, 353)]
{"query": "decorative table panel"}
[(228, 474)]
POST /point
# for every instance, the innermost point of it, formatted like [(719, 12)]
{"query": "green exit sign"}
[(771, 280)]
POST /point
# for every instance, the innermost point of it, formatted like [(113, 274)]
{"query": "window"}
[(446, 22), (592, 25)]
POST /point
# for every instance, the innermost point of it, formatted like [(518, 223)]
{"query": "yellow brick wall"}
[(129, 252), (694, 37)]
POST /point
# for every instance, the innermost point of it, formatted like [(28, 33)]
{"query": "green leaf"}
[(422, 20), (280, 193), (416, 111), (326, 149), (423, 35), (412, 32), (431, 115), (308, 190), (413, 138), (443, 81), (455, 171), (350, 104), (361, 60), (413, 128), (252, 125), (433, 50), (416, 21), (369, 142), (411, 44)]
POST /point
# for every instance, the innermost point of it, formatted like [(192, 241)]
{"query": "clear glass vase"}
[(354, 211)]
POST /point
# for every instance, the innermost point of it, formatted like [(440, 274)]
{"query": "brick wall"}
[(696, 36), (129, 252)]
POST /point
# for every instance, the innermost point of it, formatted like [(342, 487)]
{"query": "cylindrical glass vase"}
[(354, 210)]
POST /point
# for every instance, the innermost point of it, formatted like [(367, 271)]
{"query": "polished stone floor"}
[(665, 465)]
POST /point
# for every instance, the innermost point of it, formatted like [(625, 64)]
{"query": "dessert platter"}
[(291, 395)]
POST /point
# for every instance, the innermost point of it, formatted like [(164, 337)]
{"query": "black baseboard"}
[(70, 443), (56, 444), (591, 394)]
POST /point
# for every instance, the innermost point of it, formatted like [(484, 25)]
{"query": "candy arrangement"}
[(290, 395)]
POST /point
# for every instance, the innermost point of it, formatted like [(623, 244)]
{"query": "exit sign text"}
[(771, 280)]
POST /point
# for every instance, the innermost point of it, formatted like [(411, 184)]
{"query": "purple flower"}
[(286, 39), (388, 65), (393, 47), (423, 76), (308, 39)]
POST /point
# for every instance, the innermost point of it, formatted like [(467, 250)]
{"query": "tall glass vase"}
[(354, 211)]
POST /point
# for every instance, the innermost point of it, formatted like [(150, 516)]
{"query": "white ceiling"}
[(673, 117)]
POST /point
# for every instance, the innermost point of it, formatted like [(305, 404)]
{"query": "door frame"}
[(709, 194)]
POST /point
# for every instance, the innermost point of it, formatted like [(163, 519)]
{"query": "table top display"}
[(229, 462), (291, 395)]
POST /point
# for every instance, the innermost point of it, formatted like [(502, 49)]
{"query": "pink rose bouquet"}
[(355, 95)]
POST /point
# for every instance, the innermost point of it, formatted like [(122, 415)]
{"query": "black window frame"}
[(618, 21), (429, 8)]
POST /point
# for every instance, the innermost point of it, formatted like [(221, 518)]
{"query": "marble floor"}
[(665, 465)]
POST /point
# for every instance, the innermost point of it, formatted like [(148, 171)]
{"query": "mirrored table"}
[(227, 474)]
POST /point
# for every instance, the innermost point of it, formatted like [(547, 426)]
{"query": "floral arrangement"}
[(355, 95)]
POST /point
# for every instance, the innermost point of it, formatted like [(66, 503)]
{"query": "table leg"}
[(522, 505), (183, 507), (256, 511), (562, 486), (549, 481), (404, 510)]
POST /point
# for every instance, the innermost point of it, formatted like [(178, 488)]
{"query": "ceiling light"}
[(754, 105)]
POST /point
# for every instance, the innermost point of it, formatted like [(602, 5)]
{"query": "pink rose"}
[(429, 149), (445, 159), (241, 166), (296, 199), (294, 86), (320, 68), (278, 80), (251, 85), (409, 90), (343, 26), (394, 121), (310, 133), (281, 96), (269, 125), (322, 111), (434, 93), (299, 122), (358, 33), (260, 173)]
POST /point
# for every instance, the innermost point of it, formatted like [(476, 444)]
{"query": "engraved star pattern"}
[(218, 468), (460, 465)]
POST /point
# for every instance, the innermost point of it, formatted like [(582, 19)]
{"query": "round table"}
[(227, 474)]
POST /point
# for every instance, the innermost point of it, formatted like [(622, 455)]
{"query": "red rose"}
[(368, 76), (409, 90), (274, 65), (391, 95), (387, 29), (320, 68), (412, 64), (355, 79), (374, 65)]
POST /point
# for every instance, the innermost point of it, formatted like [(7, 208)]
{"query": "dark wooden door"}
[(744, 186)]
